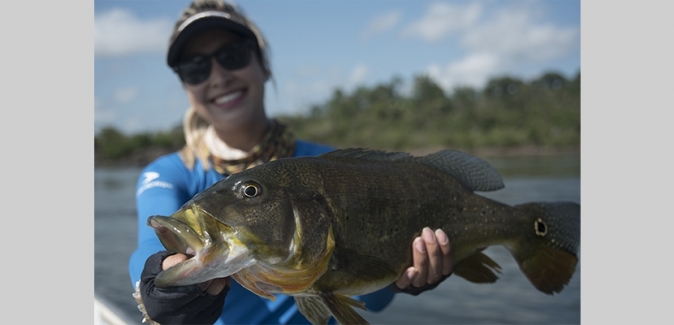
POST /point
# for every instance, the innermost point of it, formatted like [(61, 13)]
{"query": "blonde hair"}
[(194, 126)]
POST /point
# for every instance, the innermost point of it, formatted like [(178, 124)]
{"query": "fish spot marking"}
[(540, 227)]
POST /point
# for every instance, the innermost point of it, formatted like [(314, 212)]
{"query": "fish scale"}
[(384, 212)]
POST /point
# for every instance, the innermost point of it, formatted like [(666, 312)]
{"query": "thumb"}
[(173, 260)]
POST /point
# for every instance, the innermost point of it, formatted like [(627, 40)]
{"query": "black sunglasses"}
[(231, 56)]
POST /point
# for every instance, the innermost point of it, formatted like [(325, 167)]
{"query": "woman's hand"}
[(212, 287), (194, 304), (432, 263)]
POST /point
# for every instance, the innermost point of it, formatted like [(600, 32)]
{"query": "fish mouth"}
[(212, 246)]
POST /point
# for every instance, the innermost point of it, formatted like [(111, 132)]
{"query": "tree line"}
[(507, 112)]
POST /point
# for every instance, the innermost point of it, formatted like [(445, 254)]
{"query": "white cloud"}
[(473, 70), (125, 95), (119, 32), (102, 115), (443, 19), (308, 71), (382, 23), (291, 87), (304, 90), (299, 94), (134, 124), (513, 35), (503, 43), (320, 87), (357, 76)]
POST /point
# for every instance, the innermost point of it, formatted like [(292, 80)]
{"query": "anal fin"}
[(351, 273), (313, 308), (477, 268), (340, 307)]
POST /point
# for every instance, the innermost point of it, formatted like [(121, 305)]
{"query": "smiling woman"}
[(221, 59)]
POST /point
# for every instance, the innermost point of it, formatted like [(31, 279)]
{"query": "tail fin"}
[(548, 253)]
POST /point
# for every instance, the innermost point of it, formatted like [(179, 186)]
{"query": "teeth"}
[(228, 98)]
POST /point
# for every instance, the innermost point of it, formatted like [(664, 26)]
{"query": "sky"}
[(322, 45)]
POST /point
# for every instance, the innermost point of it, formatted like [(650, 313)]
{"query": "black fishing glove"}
[(178, 304), (412, 290)]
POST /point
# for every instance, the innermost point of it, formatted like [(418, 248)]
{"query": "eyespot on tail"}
[(548, 254)]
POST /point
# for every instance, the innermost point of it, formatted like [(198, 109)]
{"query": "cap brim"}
[(200, 25)]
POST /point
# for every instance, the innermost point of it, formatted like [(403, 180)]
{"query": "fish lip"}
[(177, 236), (190, 230), (213, 249)]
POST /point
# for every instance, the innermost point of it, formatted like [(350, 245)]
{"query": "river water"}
[(511, 300)]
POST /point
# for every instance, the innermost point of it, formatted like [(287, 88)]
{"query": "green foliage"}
[(508, 112), (110, 144)]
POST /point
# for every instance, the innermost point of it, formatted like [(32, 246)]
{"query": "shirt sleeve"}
[(161, 190)]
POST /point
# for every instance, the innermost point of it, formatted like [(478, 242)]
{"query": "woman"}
[(221, 59)]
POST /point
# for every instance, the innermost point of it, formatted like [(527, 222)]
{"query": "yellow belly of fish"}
[(266, 280)]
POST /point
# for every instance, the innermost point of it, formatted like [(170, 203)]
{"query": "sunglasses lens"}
[(234, 56), (195, 70)]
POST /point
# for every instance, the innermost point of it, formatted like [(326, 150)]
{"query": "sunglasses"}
[(231, 56)]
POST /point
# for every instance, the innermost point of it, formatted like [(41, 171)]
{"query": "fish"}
[(326, 228)]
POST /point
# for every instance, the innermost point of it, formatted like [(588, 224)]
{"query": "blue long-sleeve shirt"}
[(164, 186)]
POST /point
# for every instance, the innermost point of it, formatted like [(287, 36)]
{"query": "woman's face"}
[(227, 99)]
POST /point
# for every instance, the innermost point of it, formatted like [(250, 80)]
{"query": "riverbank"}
[(519, 151), (136, 159), (144, 157)]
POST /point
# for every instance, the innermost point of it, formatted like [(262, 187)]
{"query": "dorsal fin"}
[(367, 154), (473, 172)]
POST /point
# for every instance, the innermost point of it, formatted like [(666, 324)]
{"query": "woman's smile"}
[(228, 97)]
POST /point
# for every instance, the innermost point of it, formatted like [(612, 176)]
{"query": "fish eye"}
[(251, 190)]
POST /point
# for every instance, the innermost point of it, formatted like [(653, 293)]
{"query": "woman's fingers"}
[(434, 258), (173, 260), (420, 257), (406, 279), (447, 261), (217, 285)]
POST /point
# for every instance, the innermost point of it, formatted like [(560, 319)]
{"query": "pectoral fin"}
[(340, 307), (313, 309), (351, 273), (477, 268)]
